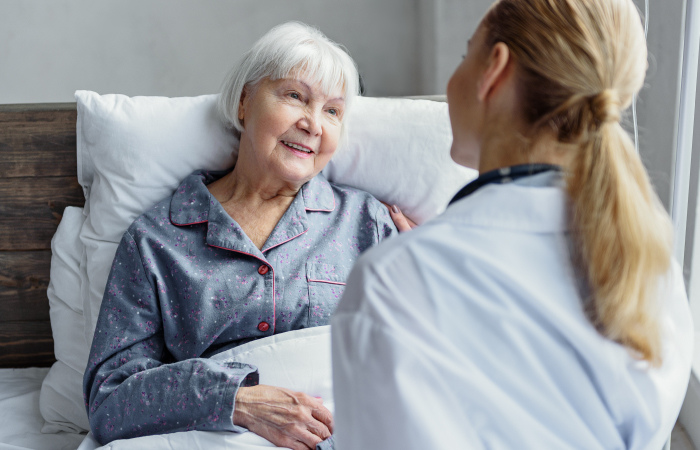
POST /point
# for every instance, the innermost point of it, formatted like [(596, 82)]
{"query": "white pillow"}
[(399, 151), (133, 152), (299, 360), (61, 398)]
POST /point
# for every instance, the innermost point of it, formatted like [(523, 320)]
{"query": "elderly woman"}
[(231, 257)]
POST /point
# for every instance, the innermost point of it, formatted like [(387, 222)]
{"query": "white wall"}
[(181, 47), (445, 25), (48, 49)]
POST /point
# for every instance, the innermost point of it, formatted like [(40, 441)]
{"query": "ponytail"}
[(579, 64), (624, 238)]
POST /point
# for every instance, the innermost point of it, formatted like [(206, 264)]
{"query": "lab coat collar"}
[(512, 206), (193, 204), (505, 175)]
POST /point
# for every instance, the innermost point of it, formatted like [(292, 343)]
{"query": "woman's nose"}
[(311, 123)]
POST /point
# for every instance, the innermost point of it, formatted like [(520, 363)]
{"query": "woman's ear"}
[(241, 105), (496, 71)]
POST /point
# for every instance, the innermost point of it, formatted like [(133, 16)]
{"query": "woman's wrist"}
[(238, 414)]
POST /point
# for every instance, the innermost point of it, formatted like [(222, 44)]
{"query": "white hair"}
[(284, 50)]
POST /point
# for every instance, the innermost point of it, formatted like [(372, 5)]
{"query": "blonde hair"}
[(580, 63)]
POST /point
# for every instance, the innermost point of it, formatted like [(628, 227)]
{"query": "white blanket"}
[(298, 360), (20, 419)]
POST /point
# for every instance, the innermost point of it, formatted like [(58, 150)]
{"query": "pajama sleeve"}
[(133, 385), (385, 225)]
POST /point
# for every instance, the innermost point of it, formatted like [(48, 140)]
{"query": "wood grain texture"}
[(26, 344), (38, 141), (31, 209), (38, 179), (24, 278)]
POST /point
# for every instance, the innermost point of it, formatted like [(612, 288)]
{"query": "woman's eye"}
[(333, 111), (295, 96)]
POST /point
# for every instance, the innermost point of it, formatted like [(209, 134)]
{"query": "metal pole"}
[(686, 118)]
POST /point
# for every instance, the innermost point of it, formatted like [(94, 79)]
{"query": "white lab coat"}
[(469, 333)]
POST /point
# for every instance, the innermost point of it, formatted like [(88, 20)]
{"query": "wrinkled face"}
[(291, 128), (466, 115)]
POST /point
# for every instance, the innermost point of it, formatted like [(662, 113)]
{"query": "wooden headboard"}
[(38, 179)]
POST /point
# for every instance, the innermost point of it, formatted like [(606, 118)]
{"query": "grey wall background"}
[(445, 27), (48, 49)]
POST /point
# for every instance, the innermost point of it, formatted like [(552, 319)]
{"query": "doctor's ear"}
[(496, 71)]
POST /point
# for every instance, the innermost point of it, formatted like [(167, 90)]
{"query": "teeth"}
[(298, 147)]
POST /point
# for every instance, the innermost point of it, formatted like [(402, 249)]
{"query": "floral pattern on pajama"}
[(187, 283)]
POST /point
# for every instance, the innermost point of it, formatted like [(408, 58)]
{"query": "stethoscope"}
[(502, 176)]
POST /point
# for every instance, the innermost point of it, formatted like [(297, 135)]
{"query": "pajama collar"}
[(192, 204)]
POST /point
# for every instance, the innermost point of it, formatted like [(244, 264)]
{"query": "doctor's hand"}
[(402, 222), (283, 417)]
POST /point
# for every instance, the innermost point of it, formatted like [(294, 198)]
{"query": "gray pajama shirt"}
[(187, 283)]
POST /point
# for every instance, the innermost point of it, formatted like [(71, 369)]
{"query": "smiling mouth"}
[(297, 147)]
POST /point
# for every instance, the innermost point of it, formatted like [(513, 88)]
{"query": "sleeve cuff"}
[(249, 377), (328, 444)]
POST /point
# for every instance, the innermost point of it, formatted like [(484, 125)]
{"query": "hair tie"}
[(605, 107)]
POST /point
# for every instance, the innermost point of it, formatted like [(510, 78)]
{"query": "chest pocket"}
[(326, 285)]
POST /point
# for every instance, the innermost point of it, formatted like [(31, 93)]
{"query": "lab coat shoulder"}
[(482, 309), (423, 314), (370, 271), (465, 244)]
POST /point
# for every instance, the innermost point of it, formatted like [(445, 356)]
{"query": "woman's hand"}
[(283, 417), (402, 222)]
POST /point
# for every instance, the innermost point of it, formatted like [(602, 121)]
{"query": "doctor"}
[(543, 309)]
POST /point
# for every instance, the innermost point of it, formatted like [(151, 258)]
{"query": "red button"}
[(262, 270), (263, 326)]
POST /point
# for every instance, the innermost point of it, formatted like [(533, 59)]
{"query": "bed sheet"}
[(20, 419)]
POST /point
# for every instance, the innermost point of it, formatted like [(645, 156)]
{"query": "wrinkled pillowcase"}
[(132, 153), (61, 397)]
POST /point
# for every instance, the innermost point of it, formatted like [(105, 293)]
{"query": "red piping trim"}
[(277, 245), (274, 303), (326, 281), (185, 224)]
